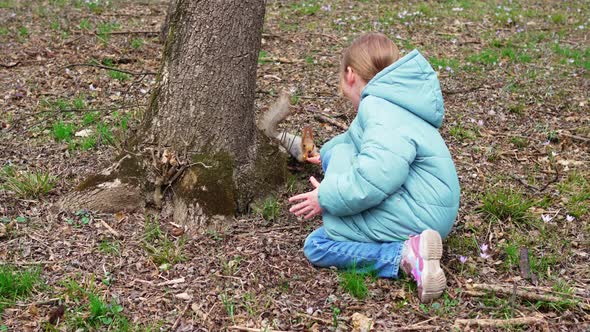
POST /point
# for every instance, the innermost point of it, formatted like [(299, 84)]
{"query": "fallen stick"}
[(179, 317), (249, 329), (171, 282), (501, 322), (331, 121), (110, 229), (509, 291)]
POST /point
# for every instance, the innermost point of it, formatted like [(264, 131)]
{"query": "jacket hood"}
[(411, 84)]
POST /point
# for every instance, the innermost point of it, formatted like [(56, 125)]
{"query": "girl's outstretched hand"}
[(315, 159), (309, 205)]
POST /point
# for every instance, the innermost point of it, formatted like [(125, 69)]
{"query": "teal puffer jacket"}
[(390, 175)]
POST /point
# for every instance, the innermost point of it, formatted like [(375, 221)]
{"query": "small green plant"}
[(306, 8), (516, 109), (85, 25), (335, 314), (558, 18), (16, 284), (229, 268), (119, 76), (461, 133), (105, 134), (137, 43), (263, 57), (23, 32), (229, 305), (162, 251), (519, 142), (505, 204), (88, 143), (270, 209), (104, 31), (109, 247), (62, 131), (26, 184), (249, 303), (90, 118), (353, 282)]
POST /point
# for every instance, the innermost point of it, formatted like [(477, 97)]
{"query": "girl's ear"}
[(350, 76)]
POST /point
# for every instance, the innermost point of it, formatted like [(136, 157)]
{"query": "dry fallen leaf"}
[(183, 296), (361, 323), (2, 230)]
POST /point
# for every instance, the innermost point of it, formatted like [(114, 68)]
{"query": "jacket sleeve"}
[(376, 172), (342, 138)]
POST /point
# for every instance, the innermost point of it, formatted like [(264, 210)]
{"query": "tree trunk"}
[(197, 152)]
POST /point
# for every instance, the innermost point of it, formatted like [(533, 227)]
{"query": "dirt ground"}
[(515, 77)]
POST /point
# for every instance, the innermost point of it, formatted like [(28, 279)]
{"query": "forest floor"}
[(515, 77)]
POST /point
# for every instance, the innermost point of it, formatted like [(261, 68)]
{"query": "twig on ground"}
[(250, 329), (317, 319), (180, 316), (502, 322), (109, 68), (576, 137), (462, 91), (10, 65), (331, 121), (449, 272), (110, 229), (171, 282), (477, 289), (419, 326)]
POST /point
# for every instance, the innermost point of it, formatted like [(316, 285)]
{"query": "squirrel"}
[(300, 147)]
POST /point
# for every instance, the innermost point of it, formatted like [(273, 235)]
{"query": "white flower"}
[(484, 255), (569, 218), (546, 217), (484, 247)]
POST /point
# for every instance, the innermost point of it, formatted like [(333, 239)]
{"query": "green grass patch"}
[(575, 191), (119, 76), (519, 142), (110, 247), (506, 204), (461, 133), (269, 209), (62, 131), (163, 251), (305, 8), (93, 311), (354, 281), (137, 43), (105, 29), (17, 284), (26, 184)]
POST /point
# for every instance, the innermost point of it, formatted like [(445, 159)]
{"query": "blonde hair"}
[(368, 55)]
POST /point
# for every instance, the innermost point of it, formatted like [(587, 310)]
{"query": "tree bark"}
[(197, 153)]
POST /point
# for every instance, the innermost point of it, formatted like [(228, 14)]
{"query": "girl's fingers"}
[(314, 182), (303, 210), (298, 206), (298, 197)]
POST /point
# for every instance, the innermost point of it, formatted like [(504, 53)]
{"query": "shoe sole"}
[(434, 281)]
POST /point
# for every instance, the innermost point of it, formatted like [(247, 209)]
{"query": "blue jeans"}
[(382, 258)]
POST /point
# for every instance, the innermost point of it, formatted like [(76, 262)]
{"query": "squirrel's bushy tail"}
[(269, 122)]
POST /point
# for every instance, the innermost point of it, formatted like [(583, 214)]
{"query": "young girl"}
[(390, 189)]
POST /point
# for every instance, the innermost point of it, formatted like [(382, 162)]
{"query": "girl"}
[(390, 189)]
